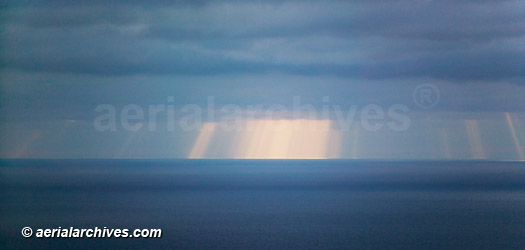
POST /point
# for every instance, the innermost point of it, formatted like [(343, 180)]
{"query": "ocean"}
[(267, 204)]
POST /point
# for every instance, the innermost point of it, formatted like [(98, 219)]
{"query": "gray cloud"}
[(62, 58), (458, 40)]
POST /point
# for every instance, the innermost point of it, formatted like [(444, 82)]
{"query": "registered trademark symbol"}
[(426, 96)]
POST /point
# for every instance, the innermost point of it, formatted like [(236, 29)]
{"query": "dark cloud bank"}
[(62, 58), (454, 40)]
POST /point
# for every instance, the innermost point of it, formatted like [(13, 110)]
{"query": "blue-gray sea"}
[(267, 204)]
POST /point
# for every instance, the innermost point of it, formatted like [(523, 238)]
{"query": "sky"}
[(262, 79)]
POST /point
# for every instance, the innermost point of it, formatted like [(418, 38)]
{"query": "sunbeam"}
[(274, 139), (203, 140), (474, 137), (515, 139)]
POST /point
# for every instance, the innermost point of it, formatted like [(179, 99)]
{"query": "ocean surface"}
[(272, 204)]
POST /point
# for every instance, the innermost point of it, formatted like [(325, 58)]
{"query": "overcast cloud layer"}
[(456, 40), (60, 59)]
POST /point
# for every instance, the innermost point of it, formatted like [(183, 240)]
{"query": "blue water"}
[(241, 204)]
